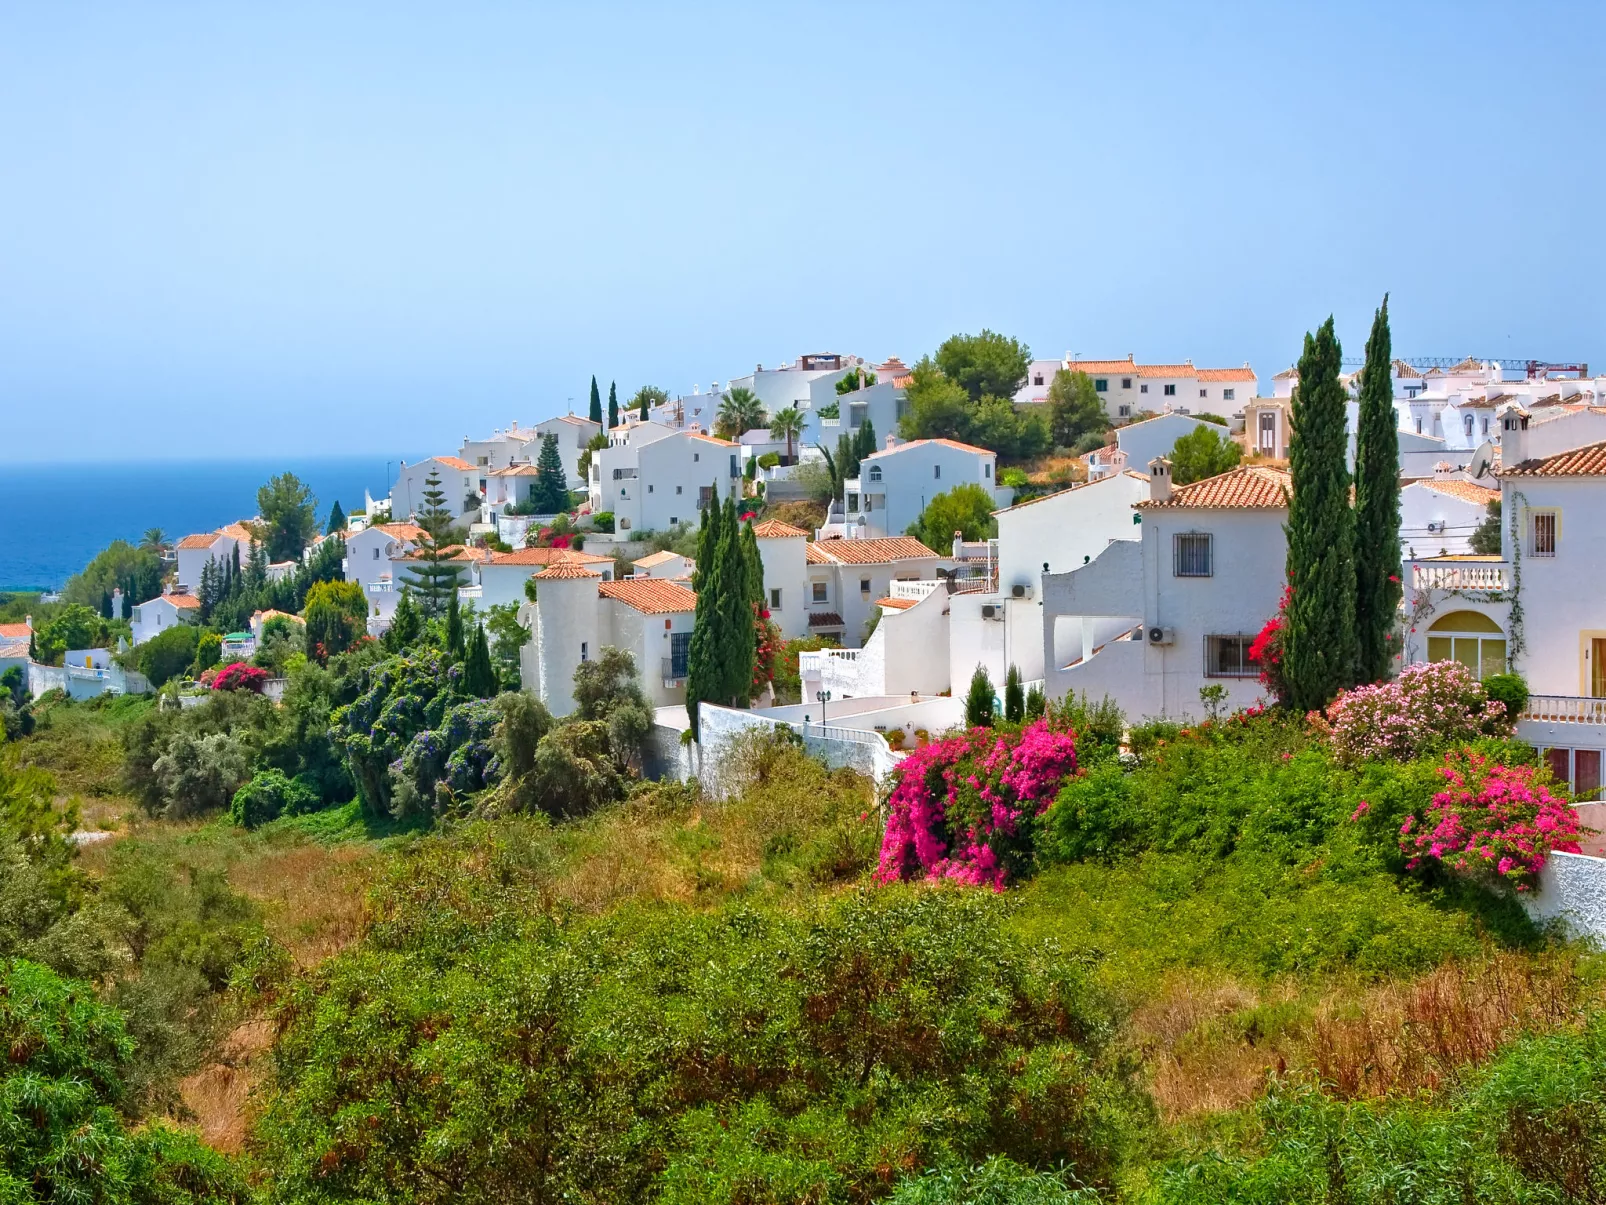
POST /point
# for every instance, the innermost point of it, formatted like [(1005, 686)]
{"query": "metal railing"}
[(916, 590), (1565, 709), (1460, 576)]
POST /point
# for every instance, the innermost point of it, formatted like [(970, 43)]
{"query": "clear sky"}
[(344, 227)]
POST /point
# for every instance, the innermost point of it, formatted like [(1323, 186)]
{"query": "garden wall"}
[(1572, 890)]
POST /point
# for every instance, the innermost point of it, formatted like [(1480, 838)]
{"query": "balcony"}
[(915, 590), (1466, 574), (1564, 709)]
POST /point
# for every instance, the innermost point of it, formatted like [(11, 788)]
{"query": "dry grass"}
[(1211, 1043), (312, 896), (1059, 470), (218, 1097)]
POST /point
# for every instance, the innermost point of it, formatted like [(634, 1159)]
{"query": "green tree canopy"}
[(985, 365), (966, 508), (1202, 452), (551, 491), (73, 627), (337, 618), (787, 423), (137, 572), (479, 676), (288, 517), (168, 653), (1074, 407), (645, 398), (739, 412)]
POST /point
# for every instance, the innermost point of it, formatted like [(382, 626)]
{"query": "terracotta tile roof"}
[(566, 569), (892, 367), (813, 556), (649, 595), (896, 604), (454, 553), (575, 418), (713, 439), (236, 531), (15, 631), (1248, 487), (1227, 374), (1580, 462), (400, 531), (199, 541), (182, 601), (548, 556), (917, 443), (867, 552), (1185, 369), (1288, 374), (1093, 366), (825, 619), (10, 649), (1404, 370), (774, 529), (515, 470), (1467, 491), (1468, 365), (453, 462), (1481, 402), (657, 558)]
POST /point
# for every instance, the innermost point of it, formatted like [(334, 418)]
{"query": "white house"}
[(502, 448), (460, 482), (193, 552), (782, 549), (1128, 388), (670, 566), (652, 477), (512, 485), (162, 612), (15, 639), (1439, 514), (846, 578), (498, 578), (1151, 623), (894, 484), (573, 433), (576, 614), (1155, 437)]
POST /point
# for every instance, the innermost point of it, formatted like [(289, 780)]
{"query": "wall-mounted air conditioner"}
[(1020, 591), (1159, 635)]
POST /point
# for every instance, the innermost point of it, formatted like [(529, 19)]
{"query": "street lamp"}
[(824, 697)]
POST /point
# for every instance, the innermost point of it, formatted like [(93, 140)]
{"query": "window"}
[(1228, 394), (819, 591), (376, 554), (1037, 378), (775, 598), (1125, 411), (679, 653), (735, 469), (1544, 541), (986, 470), (1228, 657), (482, 460), (1419, 426), (1171, 391), (1466, 422), (1204, 393), (1486, 425), (696, 456), (853, 500), (1143, 389), (1578, 768), (584, 652), (936, 471), (864, 586), (1102, 384), (1190, 554), (677, 489), (674, 521), (875, 472), (649, 489), (705, 495), (1471, 638), (1126, 382)]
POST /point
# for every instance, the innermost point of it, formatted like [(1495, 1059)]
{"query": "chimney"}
[(117, 602), (959, 545), (758, 368), (892, 442), (28, 621), (1159, 479), (1513, 436)]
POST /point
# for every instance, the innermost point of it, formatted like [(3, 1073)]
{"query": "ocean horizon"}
[(53, 522)]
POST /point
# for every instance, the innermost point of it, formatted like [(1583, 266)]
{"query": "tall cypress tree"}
[(864, 443), (738, 640), (551, 495), (753, 564), (642, 413), (707, 540), (479, 678), (337, 519), (596, 403), (702, 657), (1377, 506), (613, 404), (1319, 643), (454, 628)]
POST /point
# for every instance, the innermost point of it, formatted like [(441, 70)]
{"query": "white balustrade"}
[(1462, 575)]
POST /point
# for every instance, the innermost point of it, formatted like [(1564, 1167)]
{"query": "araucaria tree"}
[(1319, 641), (1377, 506), (434, 577), (595, 413)]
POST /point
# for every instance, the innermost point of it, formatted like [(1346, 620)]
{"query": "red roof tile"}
[(915, 443), (649, 595), (896, 604), (1227, 374), (1580, 462), (453, 462), (548, 556), (1248, 487), (825, 619), (774, 529), (566, 569), (866, 552), (1467, 491), (15, 631)]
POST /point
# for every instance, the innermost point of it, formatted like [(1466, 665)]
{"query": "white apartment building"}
[(577, 614), (1151, 623), (369, 552), (782, 549), (653, 477), (1439, 514), (1155, 437), (1129, 388), (522, 445), (460, 481), (895, 484), (499, 578), (846, 578), (193, 552)]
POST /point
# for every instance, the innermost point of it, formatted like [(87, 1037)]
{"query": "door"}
[(1597, 672), (1268, 431)]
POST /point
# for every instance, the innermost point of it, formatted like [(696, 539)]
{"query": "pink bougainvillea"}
[(1427, 705), (963, 808), (240, 675), (1490, 821)]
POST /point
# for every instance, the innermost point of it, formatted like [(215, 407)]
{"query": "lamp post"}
[(824, 697)]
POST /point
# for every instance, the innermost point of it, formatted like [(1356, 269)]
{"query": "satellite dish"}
[(1481, 461)]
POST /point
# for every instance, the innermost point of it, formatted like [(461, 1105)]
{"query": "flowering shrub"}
[(241, 675), (1266, 650), (441, 765), (1490, 821), (1427, 706), (964, 808)]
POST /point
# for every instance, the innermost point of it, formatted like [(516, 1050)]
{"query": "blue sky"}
[(357, 228)]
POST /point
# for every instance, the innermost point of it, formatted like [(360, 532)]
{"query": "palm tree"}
[(788, 425), (154, 540), (739, 412)]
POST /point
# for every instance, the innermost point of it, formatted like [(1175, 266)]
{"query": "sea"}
[(55, 517)]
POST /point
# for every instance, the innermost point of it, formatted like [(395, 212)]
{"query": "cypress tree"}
[(753, 563), (979, 700), (1377, 506), (479, 678), (1319, 641), (595, 413), (454, 628), (613, 404), (702, 657), (865, 445), (707, 541), (1014, 696), (106, 605), (642, 413), (406, 624), (337, 519), (551, 496), (739, 641)]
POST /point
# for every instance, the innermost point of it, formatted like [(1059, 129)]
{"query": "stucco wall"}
[(1572, 890), (1560, 594)]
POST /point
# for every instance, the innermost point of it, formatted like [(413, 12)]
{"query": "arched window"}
[(1471, 638), (875, 472), (1466, 422)]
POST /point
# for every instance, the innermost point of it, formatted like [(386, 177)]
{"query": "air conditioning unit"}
[(1020, 591), (988, 612), (1159, 635)]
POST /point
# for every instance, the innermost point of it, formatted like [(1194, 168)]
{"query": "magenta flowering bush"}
[(964, 808), (1491, 821), (1428, 706)]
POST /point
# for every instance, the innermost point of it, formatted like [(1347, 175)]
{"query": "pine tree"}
[(979, 700), (551, 496), (479, 678), (1319, 641), (596, 403), (454, 628), (433, 577), (613, 404), (1377, 506), (337, 519), (1014, 696)]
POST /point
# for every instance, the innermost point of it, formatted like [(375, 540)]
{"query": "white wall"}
[(911, 475), (661, 471), (1143, 442), (1564, 608), (1452, 519), (407, 494), (1066, 530), (786, 569)]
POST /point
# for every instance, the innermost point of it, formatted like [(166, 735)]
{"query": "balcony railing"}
[(1460, 575), (1565, 709), (916, 590)]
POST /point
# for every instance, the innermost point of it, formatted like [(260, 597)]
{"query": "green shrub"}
[(1094, 816), (167, 654), (603, 521), (1510, 689), (270, 795), (208, 652)]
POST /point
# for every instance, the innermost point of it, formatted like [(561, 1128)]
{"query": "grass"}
[(81, 744)]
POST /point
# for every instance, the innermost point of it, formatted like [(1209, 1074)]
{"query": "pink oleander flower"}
[(1429, 704)]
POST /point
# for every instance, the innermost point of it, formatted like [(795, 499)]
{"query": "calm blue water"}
[(54, 518)]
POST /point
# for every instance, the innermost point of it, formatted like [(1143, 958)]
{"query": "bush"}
[(200, 773), (167, 654), (1510, 690), (770, 459), (241, 675), (208, 652), (603, 521), (1428, 707), (270, 795)]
